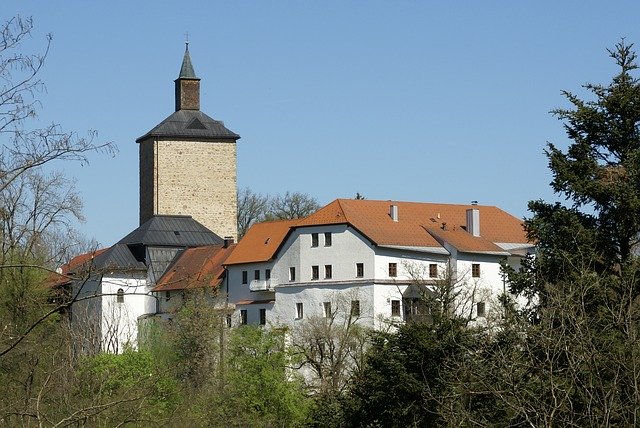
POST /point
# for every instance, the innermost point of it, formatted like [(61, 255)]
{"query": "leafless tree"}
[(328, 349), (252, 208), (292, 205)]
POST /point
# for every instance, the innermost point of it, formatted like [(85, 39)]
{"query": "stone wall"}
[(190, 178)]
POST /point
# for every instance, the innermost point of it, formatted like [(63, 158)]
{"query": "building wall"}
[(190, 178), (313, 297), (120, 319)]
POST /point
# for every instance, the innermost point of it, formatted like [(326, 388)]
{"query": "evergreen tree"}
[(599, 174)]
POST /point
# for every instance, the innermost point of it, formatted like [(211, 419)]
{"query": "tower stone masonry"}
[(188, 163)]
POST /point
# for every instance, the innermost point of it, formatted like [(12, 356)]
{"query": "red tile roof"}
[(419, 225), (195, 268), (76, 265), (261, 242)]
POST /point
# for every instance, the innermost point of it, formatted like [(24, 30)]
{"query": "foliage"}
[(600, 175), (256, 389), (576, 365), (402, 379)]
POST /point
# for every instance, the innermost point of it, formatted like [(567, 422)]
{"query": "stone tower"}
[(188, 163)]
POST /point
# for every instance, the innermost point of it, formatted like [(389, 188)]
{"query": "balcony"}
[(261, 284)]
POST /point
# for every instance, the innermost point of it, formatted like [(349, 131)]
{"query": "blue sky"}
[(405, 100)]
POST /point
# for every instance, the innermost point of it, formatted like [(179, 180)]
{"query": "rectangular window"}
[(314, 239), (245, 277), (256, 274), (243, 316), (267, 274), (475, 270), (393, 269), (228, 317), (359, 270), (480, 309), (292, 274), (168, 295), (327, 309), (315, 272), (263, 316), (355, 308), (327, 239), (395, 308), (433, 270), (299, 311), (328, 271)]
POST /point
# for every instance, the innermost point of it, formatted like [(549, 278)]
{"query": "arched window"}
[(120, 298)]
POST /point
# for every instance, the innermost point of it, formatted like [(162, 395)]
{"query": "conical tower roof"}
[(186, 71)]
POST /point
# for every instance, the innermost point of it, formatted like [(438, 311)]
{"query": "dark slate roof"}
[(172, 231), (117, 257), (191, 124), (186, 71)]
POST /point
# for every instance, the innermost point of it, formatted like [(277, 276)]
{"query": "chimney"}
[(473, 221), (228, 240), (393, 212)]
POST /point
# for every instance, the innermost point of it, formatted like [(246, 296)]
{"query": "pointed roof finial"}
[(186, 71)]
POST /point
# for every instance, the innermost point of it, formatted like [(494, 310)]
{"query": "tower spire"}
[(186, 71), (187, 85)]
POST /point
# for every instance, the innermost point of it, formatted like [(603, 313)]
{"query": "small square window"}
[(327, 239), (480, 309), (475, 270), (292, 273), (359, 270), (245, 277), (243, 316), (299, 311), (433, 270), (395, 308), (267, 274), (328, 271), (256, 274), (315, 272), (355, 308), (327, 309), (263, 316), (393, 269), (314, 239)]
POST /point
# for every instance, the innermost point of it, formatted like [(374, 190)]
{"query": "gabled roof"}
[(77, 264), (172, 231), (421, 226), (372, 219), (195, 268), (261, 242), (191, 124), (464, 242)]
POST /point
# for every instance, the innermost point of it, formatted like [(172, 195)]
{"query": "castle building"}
[(188, 163)]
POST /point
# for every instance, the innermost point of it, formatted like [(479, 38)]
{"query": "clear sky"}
[(408, 100)]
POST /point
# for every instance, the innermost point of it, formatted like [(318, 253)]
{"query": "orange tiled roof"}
[(195, 268), (261, 242), (373, 220), (419, 225), (76, 265)]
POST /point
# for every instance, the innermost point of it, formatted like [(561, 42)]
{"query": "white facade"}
[(107, 311), (352, 269)]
